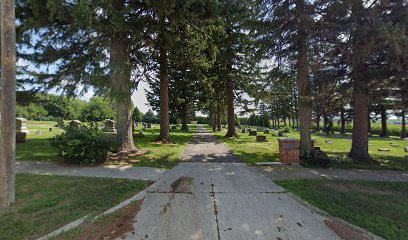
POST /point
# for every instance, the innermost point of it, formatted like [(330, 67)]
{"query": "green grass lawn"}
[(379, 207), (38, 147), (162, 155), (46, 203), (251, 152)]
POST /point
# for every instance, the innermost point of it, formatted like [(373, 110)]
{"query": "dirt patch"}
[(112, 226), (353, 187), (125, 158), (346, 232), (182, 185)]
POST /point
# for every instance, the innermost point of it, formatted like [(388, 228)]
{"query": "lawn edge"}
[(323, 213), (70, 226)]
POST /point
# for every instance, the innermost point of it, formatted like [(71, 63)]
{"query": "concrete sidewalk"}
[(218, 197), (107, 171), (299, 172)]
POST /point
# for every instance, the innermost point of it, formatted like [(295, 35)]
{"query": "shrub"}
[(316, 158), (285, 129), (81, 145)]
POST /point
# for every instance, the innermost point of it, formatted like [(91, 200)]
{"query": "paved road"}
[(107, 171), (211, 195)]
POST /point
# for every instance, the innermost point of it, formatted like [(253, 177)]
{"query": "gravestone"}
[(50, 129), (289, 150), (144, 126), (21, 125), (329, 141), (253, 133), (75, 123), (384, 150), (394, 145), (149, 125), (243, 130), (266, 131), (38, 132), (194, 122), (370, 144), (21, 137), (259, 129), (109, 126), (405, 149), (261, 138), (249, 129)]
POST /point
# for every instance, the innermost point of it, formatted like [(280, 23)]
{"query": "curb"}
[(78, 222), (324, 213)]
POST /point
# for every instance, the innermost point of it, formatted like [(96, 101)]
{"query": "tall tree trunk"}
[(359, 145), (384, 131), (342, 122), (403, 127), (304, 88), (325, 124), (230, 109), (219, 116), (164, 97), (214, 123), (121, 86), (184, 119), (318, 122), (122, 92), (8, 104)]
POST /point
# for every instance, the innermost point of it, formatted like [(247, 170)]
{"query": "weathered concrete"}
[(299, 172), (220, 198), (107, 171)]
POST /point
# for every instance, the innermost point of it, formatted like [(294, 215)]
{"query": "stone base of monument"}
[(289, 150), (108, 137), (253, 133), (243, 130), (21, 137), (261, 138)]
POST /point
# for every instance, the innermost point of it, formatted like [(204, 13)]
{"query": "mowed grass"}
[(379, 207), (38, 147), (160, 155), (46, 203), (251, 151)]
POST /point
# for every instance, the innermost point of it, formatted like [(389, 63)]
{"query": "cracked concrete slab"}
[(222, 200), (268, 216), (175, 216), (239, 178)]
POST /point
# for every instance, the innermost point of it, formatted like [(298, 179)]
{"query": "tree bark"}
[(384, 131), (121, 86), (342, 122), (230, 105), (318, 123), (8, 104), (184, 119), (219, 116), (359, 145), (164, 97), (403, 127), (304, 88), (214, 123)]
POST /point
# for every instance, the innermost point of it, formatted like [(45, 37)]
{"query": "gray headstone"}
[(405, 149), (109, 126), (259, 129), (329, 141), (38, 132), (21, 125), (75, 123)]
